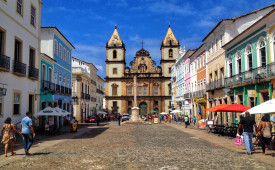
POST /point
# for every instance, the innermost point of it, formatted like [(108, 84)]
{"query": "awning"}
[(267, 107)]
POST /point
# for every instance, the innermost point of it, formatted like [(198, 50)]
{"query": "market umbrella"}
[(215, 108), (234, 108), (49, 111), (264, 108), (61, 112), (163, 113), (176, 111)]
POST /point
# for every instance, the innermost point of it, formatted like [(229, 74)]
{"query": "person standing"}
[(266, 127), (118, 119), (97, 119), (194, 119), (27, 132), (186, 120), (8, 135), (247, 124)]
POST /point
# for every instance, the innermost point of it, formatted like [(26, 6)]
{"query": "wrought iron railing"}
[(66, 90), (4, 62), (93, 99), (33, 72), (216, 84), (186, 95), (57, 88), (62, 90), (99, 91), (19, 67), (82, 95)]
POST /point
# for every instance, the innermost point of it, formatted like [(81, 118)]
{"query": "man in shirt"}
[(247, 124), (27, 132)]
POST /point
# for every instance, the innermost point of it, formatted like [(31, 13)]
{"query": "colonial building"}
[(221, 34), (84, 81), (99, 93), (250, 64), (19, 58), (154, 85)]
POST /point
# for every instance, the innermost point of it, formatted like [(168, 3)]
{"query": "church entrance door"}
[(143, 108)]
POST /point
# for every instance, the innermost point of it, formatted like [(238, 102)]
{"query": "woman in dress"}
[(8, 135)]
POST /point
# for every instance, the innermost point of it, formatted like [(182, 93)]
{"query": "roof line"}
[(100, 78), (60, 33), (85, 62), (49, 57)]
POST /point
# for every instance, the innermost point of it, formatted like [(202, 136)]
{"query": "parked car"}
[(125, 117), (91, 119)]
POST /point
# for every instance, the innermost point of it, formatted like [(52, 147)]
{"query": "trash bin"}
[(73, 127)]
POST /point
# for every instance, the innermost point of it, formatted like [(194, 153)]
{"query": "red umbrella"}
[(234, 108), (213, 109)]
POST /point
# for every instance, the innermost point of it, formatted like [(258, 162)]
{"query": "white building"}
[(99, 93), (19, 57)]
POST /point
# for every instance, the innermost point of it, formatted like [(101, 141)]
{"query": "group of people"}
[(248, 127), (26, 131)]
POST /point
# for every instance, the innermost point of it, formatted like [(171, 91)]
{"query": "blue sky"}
[(89, 24)]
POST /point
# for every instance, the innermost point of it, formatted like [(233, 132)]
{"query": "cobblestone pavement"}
[(136, 146)]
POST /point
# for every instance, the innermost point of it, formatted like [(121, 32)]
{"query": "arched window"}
[(238, 59), (262, 52), (170, 53), (249, 57), (114, 54), (230, 73)]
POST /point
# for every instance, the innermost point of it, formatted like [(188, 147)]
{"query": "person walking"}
[(118, 119), (8, 135), (247, 124), (27, 132), (97, 119), (194, 119), (186, 121), (266, 127)]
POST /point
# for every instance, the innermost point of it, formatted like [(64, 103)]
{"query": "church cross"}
[(142, 43), (135, 89)]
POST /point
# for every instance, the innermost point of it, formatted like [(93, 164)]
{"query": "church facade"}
[(153, 82)]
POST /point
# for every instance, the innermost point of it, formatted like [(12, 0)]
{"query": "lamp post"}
[(258, 78)]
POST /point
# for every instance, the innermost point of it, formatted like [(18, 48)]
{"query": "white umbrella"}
[(176, 111), (163, 113), (61, 112), (48, 111), (267, 107)]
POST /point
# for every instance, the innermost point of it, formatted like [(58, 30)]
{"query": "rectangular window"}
[(55, 48), (129, 103), (139, 90), (114, 91), (216, 44), (114, 70), (2, 42), (129, 90), (50, 75), (33, 15), (68, 57), (16, 103), (1, 105), (31, 59), (43, 72), (145, 91), (64, 54), (114, 104), (17, 50), (19, 7), (169, 70), (203, 59), (60, 51), (156, 90)]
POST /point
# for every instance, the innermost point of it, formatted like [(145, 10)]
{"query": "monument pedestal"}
[(135, 115)]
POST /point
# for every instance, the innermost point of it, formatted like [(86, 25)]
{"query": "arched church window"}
[(114, 54), (170, 53)]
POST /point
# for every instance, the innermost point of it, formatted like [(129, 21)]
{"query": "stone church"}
[(153, 82)]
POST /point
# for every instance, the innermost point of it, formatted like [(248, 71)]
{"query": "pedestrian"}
[(97, 119), (118, 119), (27, 132), (194, 119), (265, 127), (186, 120), (159, 118), (247, 124), (8, 135)]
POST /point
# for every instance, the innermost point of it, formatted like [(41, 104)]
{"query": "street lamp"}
[(258, 78)]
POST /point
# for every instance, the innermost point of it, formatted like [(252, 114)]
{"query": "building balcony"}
[(70, 91), (216, 84), (33, 73), (4, 63), (200, 93), (93, 82), (80, 70), (62, 90), (66, 90), (248, 77), (93, 99), (82, 95), (187, 96), (57, 88), (87, 96), (19, 68), (47, 86), (99, 91)]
